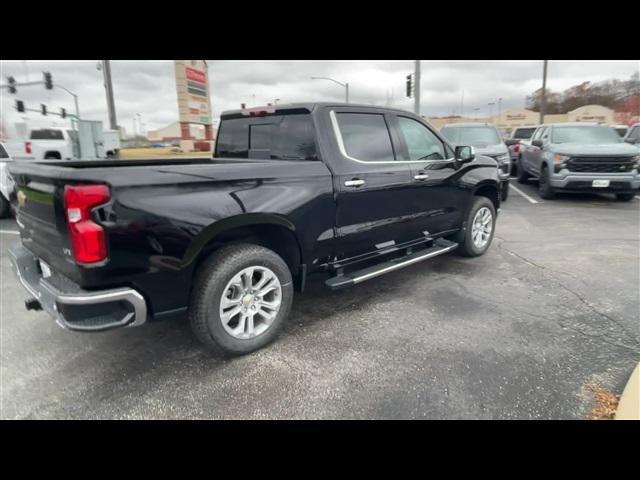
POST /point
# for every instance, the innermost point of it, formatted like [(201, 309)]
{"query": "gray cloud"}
[(148, 88)]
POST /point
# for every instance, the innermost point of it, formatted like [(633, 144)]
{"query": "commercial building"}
[(173, 133), (521, 117)]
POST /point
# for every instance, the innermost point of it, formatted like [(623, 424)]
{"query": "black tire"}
[(625, 197), (5, 207), (523, 176), (210, 281), (505, 192), (514, 169), (544, 185), (467, 248)]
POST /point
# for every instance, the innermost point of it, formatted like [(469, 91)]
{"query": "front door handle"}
[(421, 176), (356, 182)]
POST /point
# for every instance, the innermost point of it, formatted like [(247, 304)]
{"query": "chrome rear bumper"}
[(73, 307)]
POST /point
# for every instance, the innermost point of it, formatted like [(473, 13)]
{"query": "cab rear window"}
[(286, 137)]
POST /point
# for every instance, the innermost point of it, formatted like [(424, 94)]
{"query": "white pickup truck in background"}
[(6, 183), (59, 143)]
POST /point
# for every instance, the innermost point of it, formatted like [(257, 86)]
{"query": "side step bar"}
[(440, 246)]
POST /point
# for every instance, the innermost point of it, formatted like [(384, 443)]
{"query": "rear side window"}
[(3, 152), (46, 134), (287, 137), (365, 136), (635, 133)]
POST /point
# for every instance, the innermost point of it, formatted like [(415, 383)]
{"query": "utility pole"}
[(543, 98), (462, 104), (416, 95), (499, 111), (106, 71)]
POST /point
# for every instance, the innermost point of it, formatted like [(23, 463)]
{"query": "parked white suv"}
[(6, 183)]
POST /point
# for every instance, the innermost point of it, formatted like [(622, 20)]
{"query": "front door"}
[(436, 200)]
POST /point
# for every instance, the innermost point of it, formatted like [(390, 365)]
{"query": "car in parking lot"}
[(348, 191), (518, 135), (6, 183), (633, 135), (580, 157), (486, 140)]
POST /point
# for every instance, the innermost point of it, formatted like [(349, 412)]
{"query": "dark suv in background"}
[(485, 140), (580, 157)]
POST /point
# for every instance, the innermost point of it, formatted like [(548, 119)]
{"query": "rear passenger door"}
[(532, 154), (373, 187)]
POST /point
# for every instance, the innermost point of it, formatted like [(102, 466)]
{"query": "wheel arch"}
[(272, 231)]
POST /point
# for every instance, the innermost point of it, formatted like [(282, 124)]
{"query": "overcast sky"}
[(148, 87)]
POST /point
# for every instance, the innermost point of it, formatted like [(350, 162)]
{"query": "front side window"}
[(635, 133), (538, 134), (3, 152), (365, 136), (421, 143)]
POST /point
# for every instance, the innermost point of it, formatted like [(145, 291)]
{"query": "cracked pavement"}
[(515, 334)]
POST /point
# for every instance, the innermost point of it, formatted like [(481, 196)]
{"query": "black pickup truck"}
[(348, 191)]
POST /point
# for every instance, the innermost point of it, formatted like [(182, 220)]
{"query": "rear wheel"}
[(522, 175), (544, 185), (624, 197), (477, 234), (241, 296)]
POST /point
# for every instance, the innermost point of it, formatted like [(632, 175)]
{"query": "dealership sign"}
[(193, 91)]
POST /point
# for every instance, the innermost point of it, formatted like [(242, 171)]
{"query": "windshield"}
[(585, 135), (622, 131), (524, 133), (474, 136)]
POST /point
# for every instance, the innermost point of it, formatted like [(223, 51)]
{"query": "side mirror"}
[(632, 141), (510, 141), (465, 154), (537, 143)]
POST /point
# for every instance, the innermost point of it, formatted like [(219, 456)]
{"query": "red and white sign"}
[(196, 75)]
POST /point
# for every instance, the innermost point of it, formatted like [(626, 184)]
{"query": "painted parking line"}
[(10, 232), (531, 200)]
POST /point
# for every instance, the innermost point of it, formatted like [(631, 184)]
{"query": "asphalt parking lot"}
[(516, 334)]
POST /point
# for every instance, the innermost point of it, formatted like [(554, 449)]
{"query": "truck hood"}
[(576, 149)]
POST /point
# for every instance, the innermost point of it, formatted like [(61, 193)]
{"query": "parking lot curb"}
[(629, 405)]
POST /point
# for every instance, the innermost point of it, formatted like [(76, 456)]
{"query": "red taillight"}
[(27, 147), (88, 241), (516, 148)]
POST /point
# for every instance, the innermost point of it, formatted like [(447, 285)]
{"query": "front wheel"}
[(624, 197), (479, 226), (241, 296), (544, 185), (522, 175)]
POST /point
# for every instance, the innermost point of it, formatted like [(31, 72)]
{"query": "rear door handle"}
[(421, 176), (356, 182)]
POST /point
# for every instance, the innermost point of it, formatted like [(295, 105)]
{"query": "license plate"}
[(44, 268), (600, 183)]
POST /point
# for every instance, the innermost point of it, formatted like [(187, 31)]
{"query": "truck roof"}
[(310, 106), (572, 124), (469, 124)]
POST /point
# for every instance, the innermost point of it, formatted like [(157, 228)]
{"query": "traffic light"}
[(409, 85), (20, 105), (44, 108), (63, 113), (12, 84), (48, 83)]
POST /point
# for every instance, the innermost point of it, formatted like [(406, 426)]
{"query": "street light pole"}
[(345, 85), (416, 91), (543, 98), (106, 71)]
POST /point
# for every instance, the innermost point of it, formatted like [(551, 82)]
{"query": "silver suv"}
[(580, 157)]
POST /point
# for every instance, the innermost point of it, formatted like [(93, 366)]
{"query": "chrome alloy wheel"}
[(481, 227), (250, 302)]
